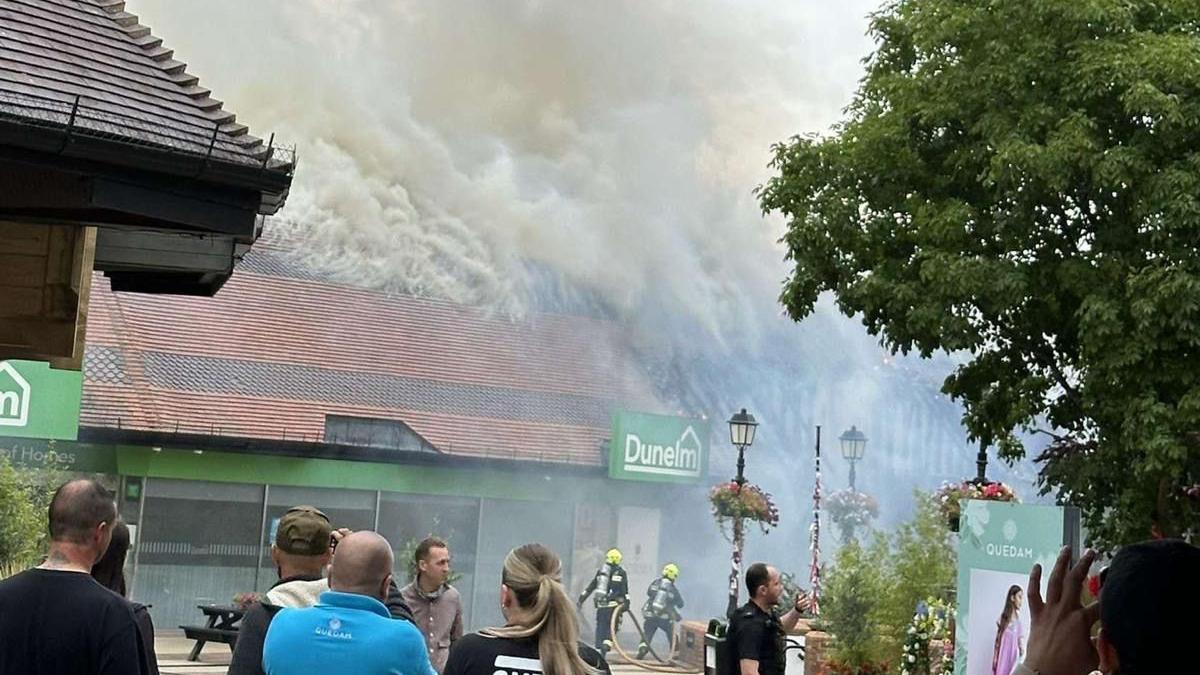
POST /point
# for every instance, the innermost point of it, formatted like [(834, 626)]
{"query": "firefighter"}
[(611, 588), (661, 610)]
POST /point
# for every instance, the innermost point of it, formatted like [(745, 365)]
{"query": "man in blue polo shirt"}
[(349, 630)]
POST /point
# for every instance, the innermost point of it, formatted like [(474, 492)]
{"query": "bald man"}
[(56, 619), (349, 630)]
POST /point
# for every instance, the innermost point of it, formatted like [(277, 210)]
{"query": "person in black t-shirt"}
[(56, 619), (756, 632), (541, 625)]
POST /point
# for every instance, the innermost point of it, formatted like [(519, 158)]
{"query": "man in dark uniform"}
[(611, 586), (661, 610), (756, 632)]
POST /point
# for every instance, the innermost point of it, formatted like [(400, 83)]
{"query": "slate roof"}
[(279, 348), (89, 67)]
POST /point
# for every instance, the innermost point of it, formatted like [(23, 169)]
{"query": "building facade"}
[(404, 415)]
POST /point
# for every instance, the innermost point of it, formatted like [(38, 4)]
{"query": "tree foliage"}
[(854, 588), (871, 594), (23, 533), (922, 565), (1020, 182)]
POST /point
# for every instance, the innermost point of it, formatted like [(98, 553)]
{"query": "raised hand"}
[(1060, 641)]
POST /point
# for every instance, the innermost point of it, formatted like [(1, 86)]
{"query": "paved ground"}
[(173, 649)]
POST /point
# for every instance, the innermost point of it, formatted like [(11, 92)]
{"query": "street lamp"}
[(741, 433), (854, 444)]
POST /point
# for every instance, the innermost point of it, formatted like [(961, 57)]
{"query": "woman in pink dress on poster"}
[(1010, 635)]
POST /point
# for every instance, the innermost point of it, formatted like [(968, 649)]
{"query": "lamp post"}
[(854, 444), (981, 462), (814, 571), (741, 433)]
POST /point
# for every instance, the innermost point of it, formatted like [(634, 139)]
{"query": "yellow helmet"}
[(671, 571), (613, 556)]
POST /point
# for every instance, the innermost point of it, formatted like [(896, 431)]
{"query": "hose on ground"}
[(663, 665)]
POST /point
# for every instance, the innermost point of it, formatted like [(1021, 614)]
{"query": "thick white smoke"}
[(484, 150), (447, 146)]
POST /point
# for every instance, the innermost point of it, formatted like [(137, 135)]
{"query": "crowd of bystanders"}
[(337, 609)]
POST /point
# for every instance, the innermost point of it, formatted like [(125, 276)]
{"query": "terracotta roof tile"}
[(290, 321), (272, 355)]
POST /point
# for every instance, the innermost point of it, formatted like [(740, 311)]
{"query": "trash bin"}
[(794, 655), (714, 651)]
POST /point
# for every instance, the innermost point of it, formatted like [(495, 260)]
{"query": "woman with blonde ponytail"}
[(541, 636)]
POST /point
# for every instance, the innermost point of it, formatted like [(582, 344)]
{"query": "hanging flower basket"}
[(950, 496), (750, 502), (850, 509)]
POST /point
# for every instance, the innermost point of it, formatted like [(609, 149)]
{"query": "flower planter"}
[(851, 510), (950, 496), (731, 502)]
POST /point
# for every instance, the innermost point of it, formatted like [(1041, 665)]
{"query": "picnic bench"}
[(221, 626)]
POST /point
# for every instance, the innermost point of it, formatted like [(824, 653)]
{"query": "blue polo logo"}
[(333, 629), (14, 397)]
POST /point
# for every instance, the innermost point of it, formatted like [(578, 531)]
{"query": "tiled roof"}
[(274, 353), (89, 66)]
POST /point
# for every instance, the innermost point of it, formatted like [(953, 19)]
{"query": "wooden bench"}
[(221, 627), (203, 634)]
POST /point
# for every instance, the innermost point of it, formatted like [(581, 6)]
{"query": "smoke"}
[(449, 148), (536, 154)]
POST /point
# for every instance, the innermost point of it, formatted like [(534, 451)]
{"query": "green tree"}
[(922, 565), (853, 590), (22, 519), (1019, 182)]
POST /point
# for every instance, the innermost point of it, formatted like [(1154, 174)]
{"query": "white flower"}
[(911, 658)]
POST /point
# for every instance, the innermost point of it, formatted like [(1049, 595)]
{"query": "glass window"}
[(196, 545), (506, 525), (406, 519), (354, 509)]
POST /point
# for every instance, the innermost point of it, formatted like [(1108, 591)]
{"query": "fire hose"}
[(663, 665)]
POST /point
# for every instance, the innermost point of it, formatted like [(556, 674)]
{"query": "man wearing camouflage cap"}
[(303, 547)]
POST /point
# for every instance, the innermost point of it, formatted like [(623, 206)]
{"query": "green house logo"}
[(14, 397), (37, 401), (658, 448)]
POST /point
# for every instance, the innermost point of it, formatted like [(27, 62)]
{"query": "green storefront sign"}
[(37, 401), (30, 453), (658, 448)]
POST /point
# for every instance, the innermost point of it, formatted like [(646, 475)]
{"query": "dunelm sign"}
[(658, 448)]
